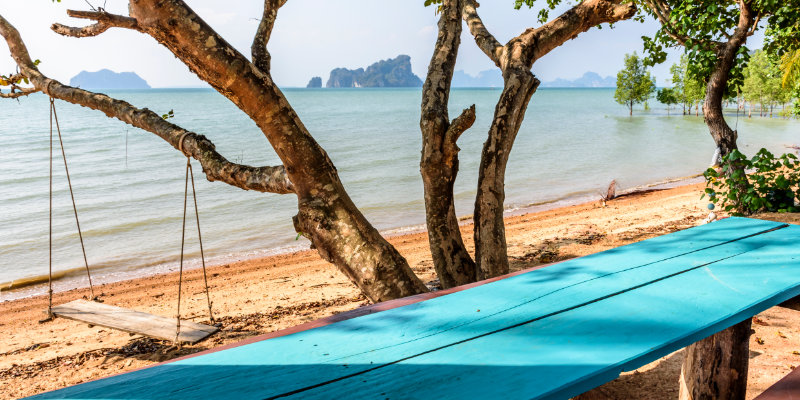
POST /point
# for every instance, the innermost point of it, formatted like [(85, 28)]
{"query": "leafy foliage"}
[(702, 23), (706, 23), (689, 89), (771, 186), (762, 83), (667, 96), (634, 84), (544, 13), (790, 69), (783, 32)]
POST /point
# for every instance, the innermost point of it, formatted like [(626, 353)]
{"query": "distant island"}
[(394, 72), (588, 80), (107, 79), (488, 78), (493, 78), (315, 82)]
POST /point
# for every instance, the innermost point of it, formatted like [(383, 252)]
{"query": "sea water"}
[(129, 183)]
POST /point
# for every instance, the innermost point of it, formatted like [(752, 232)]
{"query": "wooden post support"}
[(716, 367)]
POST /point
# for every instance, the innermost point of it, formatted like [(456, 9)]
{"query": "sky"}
[(312, 37)]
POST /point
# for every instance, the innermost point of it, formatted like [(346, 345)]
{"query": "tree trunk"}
[(490, 237), (439, 162), (630, 108), (723, 135), (326, 216), (716, 367), (515, 59)]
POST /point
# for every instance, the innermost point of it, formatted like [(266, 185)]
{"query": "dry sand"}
[(253, 297)]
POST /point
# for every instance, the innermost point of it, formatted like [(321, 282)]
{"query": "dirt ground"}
[(253, 297)]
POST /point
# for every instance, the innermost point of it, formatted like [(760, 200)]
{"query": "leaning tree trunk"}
[(515, 59), (439, 162), (711, 352), (326, 216), (716, 367), (723, 135), (490, 235)]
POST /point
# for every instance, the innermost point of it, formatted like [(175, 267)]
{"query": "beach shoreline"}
[(75, 278), (257, 296)]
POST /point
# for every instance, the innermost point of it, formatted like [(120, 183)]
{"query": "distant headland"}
[(588, 80), (493, 78), (394, 72), (107, 79)]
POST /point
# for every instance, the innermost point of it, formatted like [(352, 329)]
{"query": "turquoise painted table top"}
[(550, 333)]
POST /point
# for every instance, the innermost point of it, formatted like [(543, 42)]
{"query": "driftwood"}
[(611, 192)]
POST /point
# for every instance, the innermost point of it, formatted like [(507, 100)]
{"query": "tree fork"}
[(439, 160), (515, 59)]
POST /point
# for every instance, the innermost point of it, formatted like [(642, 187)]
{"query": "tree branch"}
[(568, 25), (258, 49), (754, 27), (104, 22), (459, 125), (434, 119), (14, 94), (662, 11), (215, 166), (485, 40)]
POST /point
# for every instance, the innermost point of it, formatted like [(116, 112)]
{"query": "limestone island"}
[(394, 72), (107, 79)]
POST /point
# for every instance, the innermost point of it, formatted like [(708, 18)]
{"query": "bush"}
[(771, 184)]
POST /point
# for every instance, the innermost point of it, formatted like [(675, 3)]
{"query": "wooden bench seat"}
[(553, 333)]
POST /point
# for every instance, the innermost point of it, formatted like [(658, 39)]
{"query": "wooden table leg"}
[(716, 367)]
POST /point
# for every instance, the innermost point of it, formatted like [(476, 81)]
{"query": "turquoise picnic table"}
[(549, 333)]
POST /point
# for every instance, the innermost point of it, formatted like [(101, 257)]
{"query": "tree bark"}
[(515, 59), (326, 214), (721, 132), (489, 228), (716, 367), (439, 161)]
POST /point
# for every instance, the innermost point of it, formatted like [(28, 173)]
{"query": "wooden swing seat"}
[(123, 319)]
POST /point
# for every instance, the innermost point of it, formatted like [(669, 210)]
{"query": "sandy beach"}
[(253, 297)]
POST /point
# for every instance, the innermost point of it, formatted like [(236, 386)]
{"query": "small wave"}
[(39, 279)]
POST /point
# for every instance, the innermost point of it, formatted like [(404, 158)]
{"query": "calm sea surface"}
[(129, 183)]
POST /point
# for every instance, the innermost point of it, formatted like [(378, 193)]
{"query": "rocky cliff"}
[(315, 82), (394, 72)]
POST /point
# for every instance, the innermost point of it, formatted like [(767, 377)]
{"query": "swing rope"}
[(190, 175), (54, 116)]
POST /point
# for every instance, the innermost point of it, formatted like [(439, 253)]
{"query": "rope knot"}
[(180, 144)]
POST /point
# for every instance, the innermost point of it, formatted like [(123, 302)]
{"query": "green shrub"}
[(770, 184)]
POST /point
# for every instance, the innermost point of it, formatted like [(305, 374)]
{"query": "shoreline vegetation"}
[(257, 296)]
